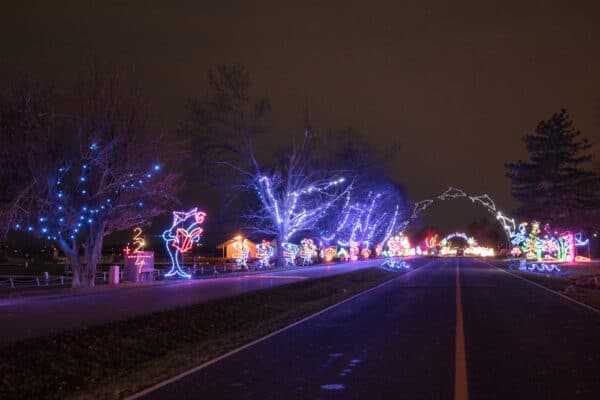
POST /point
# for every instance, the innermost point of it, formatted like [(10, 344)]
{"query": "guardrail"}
[(31, 281)]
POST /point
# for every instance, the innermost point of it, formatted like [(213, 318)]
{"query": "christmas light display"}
[(185, 231), (399, 246), (138, 250), (365, 221), (431, 241), (365, 253), (378, 250), (419, 207), (240, 253), (549, 246), (264, 252), (353, 251), (76, 203), (290, 252), (296, 211), (138, 241), (343, 254), (543, 267), (329, 253), (472, 248), (393, 247), (395, 265), (452, 193), (508, 224), (308, 251)]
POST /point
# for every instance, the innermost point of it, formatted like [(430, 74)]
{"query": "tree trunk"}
[(77, 270), (280, 258), (283, 231), (93, 255), (84, 273)]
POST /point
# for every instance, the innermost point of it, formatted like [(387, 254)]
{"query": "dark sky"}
[(457, 83)]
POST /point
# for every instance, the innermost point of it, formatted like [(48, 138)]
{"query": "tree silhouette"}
[(554, 185)]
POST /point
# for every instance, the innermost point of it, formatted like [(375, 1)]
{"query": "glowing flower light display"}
[(329, 253), (185, 231), (264, 252), (290, 252), (548, 246)]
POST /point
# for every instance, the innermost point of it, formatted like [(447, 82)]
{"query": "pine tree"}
[(555, 186)]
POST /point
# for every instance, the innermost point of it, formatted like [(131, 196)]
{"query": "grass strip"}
[(114, 360), (566, 286)]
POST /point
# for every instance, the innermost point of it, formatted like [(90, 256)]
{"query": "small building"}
[(228, 251)]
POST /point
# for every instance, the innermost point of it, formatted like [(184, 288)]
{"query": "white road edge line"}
[(237, 350), (545, 288), (461, 391)]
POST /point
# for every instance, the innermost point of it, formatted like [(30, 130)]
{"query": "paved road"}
[(402, 340), (25, 317)]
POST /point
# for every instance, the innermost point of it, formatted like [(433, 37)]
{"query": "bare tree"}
[(28, 125), (293, 197), (105, 177), (369, 215), (291, 194)]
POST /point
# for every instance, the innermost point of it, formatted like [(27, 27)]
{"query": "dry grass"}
[(114, 360)]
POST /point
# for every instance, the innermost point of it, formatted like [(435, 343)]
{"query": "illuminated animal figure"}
[(241, 251), (343, 254), (394, 246), (378, 250), (365, 253), (185, 231), (290, 252), (308, 250), (353, 251), (264, 252)]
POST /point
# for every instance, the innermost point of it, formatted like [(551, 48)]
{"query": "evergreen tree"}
[(555, 186)]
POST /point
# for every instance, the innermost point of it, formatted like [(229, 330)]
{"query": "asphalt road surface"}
[(29, 316), (412, 339)]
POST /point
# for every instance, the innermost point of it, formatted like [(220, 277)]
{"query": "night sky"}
[(456, 83)]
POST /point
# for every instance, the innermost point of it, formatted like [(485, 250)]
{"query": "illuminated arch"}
[(508, 224)]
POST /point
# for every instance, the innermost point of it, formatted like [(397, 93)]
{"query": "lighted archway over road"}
[(508, 224)]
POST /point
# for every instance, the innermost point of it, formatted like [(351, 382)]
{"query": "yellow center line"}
[(460, 363)]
